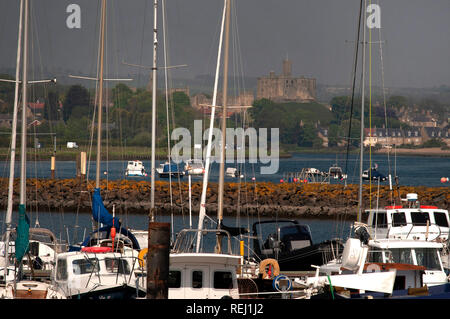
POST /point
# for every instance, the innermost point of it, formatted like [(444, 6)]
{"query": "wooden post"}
[(83, 164), (158, 260), (52, 167)]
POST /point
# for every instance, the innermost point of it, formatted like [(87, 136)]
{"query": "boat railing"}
[(186, 240)]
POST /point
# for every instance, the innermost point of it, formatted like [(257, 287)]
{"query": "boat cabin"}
[(418, 263), (135, 168), (274, 237), (206, 274), (97, 272), (413, 222)]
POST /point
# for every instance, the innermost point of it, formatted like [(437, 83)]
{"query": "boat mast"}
[(100, 94), (8, 218), (23, 149), (154, 68), (362, 118), (202, 211), (224, 126)]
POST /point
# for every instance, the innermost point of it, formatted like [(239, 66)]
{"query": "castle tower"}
[(287, 67)]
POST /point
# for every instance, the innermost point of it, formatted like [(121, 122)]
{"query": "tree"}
[(51, 106), (76, 96)]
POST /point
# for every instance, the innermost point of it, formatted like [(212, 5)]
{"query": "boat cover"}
[(23, 231), (100, 213)]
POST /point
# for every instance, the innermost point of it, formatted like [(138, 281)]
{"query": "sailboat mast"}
[(361, 158), (224, 116), (8, 218), (154, 69), (23, 150), (202, 212), (100, 94)]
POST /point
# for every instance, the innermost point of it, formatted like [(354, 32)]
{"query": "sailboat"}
[(15, 286), (103, 268)]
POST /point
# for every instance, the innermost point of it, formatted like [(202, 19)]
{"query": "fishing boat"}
[(135, 168), (417, 264), (194, 167)]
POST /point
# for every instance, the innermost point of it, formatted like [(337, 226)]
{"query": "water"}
[(73, 227), (412, 170)]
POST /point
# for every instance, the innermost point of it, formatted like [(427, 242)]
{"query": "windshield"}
[(428, 257)]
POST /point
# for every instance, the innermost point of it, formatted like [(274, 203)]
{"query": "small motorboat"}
[(194, 167), (135, 168), (233, 172), (170, 169), (373, 174), (336, 172)]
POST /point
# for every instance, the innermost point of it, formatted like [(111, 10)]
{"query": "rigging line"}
[(384, 98), (370, 113), (163, 9), (358, 32)]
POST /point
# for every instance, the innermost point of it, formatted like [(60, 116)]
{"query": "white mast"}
[(202, 212), (8, 218), (224, 128)]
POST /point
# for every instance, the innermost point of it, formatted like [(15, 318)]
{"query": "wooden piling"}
[(158, 260)]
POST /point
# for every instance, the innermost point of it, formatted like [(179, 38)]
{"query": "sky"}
[(318, 36)]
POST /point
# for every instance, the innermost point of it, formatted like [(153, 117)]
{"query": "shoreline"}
[(65, 155)]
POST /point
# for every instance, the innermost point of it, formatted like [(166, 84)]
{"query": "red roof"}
[(36, 105)]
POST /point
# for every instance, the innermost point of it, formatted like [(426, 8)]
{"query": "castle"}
[(285, 88)]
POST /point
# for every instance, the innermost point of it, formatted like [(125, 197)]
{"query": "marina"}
[(338, 222)]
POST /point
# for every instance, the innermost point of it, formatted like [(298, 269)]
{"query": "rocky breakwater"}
[(263, 199)]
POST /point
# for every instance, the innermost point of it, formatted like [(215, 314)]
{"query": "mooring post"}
[(158, 260), (52, 167)]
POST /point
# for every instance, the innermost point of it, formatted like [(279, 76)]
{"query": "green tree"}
[(76, 96)]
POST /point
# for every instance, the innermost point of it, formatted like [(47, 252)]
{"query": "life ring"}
[(373, 268), (141, 257), (96, 249), (273, 271), (276, 283)]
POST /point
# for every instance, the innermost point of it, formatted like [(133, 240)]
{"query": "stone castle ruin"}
[(285, 88)]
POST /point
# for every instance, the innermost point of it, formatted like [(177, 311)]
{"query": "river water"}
[(411, 170)]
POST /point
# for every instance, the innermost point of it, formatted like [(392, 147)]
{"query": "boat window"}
[(375, 257), (419, 218), (117, 265), (85, 266), (379, 220), (428, 257), (174, 279), (223, 280), (61, 269), (401, 255), (398, 219), (197, 279), (440, 219)]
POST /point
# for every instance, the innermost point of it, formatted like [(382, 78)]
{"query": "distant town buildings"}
[(285, 87)]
